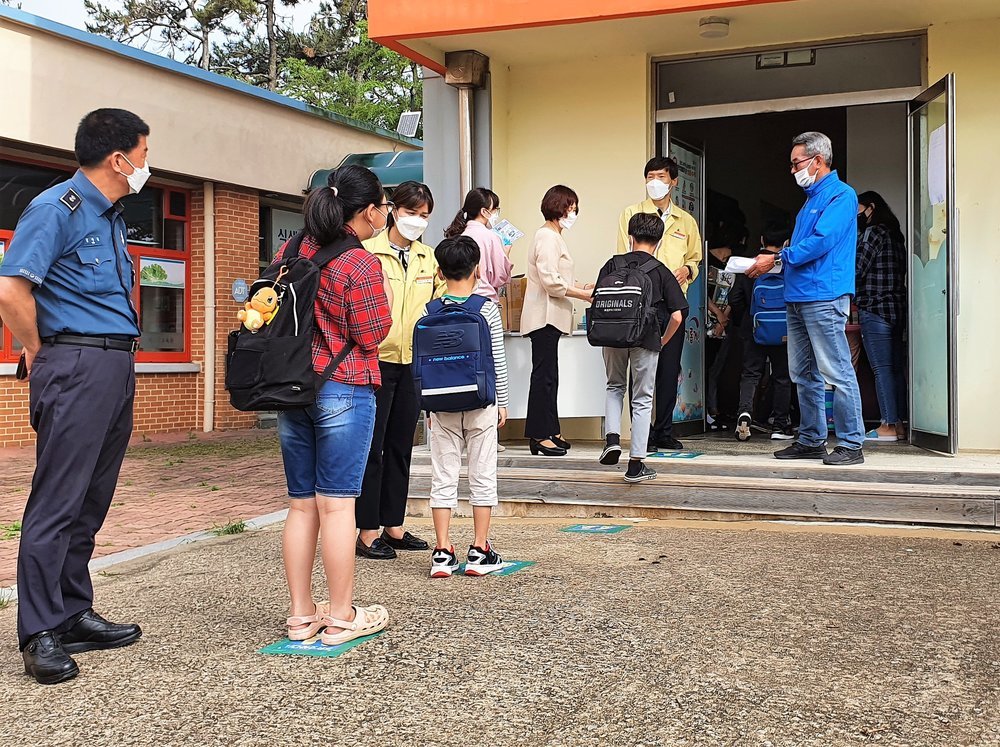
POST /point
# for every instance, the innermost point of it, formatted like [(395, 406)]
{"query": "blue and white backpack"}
[(767, 311), (453, 365)]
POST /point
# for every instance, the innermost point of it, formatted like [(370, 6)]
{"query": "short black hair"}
[(662, 163), (104, 131), (645, 228), (775, 233), (458, 257)]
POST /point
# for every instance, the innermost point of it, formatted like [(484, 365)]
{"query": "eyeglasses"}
[(388, 204), (795, 164)]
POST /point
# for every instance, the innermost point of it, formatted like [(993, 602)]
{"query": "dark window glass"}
[(175, 234), (144, 218), (20, 183), (178, 204)]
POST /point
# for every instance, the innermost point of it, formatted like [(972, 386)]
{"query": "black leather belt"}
[(129, 345)]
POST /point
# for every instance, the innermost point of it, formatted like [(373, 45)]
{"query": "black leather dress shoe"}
[(407, 542), (46, 660), (91, 632), (378, 550)]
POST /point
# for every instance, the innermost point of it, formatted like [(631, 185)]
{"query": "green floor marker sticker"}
[(313, 647), (509, 567), (596, 528), (676, 454)]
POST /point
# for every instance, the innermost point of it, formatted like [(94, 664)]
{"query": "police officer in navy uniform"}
[(65, 294)]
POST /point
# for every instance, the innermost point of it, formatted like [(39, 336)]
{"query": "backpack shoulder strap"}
[(293, 245), (475, 302), (435, 306), (338, 359), (649, 265), (331, 251)]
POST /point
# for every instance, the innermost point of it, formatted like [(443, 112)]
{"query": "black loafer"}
[(407, 542), (46, 660), (379, 550), (91, 632)]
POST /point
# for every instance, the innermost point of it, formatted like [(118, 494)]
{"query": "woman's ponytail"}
[(349, 190), (475, 201)]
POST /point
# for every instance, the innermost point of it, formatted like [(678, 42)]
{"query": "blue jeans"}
[(884, 346), (325, 447), (818, 354)]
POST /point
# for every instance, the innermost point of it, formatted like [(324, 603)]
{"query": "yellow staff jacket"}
[(412, 289), (681, 245)]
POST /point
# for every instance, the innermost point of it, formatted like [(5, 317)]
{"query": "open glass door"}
[(933, 244), (689, 413)]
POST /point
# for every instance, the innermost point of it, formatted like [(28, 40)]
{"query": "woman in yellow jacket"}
[(410, 272)]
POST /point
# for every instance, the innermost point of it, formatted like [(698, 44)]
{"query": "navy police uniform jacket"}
[(71, 243)]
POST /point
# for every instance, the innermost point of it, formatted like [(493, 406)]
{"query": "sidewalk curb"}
[(9, 593)]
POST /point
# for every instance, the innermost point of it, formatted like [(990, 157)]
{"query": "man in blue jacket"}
[(819, 283)]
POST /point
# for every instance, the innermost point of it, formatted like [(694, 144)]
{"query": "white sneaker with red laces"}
[(443, 562), (481, 562)]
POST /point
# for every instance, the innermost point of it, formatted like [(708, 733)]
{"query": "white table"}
[(582, 381)]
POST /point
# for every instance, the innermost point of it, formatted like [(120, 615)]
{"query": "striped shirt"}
[(491, 312)]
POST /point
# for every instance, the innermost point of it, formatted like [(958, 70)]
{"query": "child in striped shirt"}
[(473, 430)]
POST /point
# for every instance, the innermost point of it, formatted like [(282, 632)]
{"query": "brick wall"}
[(174, 402)]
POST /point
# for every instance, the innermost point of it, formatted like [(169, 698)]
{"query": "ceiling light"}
[(713, 27)]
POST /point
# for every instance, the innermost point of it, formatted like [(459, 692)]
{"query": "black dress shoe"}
[(561, 443), (407, 542), (46, 660), (537, 448), (91, 632), (378, 550)]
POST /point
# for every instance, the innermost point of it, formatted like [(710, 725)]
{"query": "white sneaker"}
[(743, 426), (443, 563)]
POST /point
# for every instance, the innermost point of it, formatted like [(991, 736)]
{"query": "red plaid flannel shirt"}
[(350, 304)]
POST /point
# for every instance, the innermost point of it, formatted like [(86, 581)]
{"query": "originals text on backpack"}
[(622, 309), (453, 367), (272, 369), (767, 311)]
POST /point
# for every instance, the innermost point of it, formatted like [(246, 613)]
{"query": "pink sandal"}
[(367, 620), (313, 623)]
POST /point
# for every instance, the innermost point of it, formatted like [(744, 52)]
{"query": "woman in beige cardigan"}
[(547, 315)]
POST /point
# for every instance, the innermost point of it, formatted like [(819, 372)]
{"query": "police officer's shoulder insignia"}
[(71, 199)]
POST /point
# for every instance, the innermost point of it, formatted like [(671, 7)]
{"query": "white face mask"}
[(803, 178), (492, 218), (137, 179), (411, 227), (657, 189), (568, 221), (377, 231)]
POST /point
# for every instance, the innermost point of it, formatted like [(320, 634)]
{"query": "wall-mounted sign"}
[(241, 291)]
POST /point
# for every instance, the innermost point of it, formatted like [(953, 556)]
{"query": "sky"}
[(72, 12)]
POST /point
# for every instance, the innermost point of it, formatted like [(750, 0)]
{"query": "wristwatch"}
[(777, 260)]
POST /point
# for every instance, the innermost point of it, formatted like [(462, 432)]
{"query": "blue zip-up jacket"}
[(819, 260)]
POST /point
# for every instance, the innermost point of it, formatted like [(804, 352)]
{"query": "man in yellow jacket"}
[(411, 276), (680, 250)]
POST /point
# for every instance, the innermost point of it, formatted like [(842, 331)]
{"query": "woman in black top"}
[(881, 300)]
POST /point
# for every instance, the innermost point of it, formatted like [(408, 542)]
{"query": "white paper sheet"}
[(937, 161)]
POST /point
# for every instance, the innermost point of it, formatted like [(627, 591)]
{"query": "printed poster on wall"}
[(161, 273)]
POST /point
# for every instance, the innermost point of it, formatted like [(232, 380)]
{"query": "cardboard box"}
[(512, 302)]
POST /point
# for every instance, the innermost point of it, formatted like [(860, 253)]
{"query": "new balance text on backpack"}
[(767, 311), (622, 307), (453, 357), (272, 369)]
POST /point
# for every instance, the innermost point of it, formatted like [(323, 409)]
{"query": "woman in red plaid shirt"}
[(324, 447)]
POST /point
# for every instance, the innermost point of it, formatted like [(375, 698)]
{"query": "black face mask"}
[(862, 222)]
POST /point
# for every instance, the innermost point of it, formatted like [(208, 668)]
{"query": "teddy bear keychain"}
[(262, 306)]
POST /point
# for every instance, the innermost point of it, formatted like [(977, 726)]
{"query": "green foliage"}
[(10, 531), (233, 527)]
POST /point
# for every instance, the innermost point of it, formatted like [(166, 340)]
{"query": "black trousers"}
[(81, 408), (754, 358), (542, 420), (668, 369), (386, 484)]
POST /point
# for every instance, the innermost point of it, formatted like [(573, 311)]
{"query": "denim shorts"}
[(325, 447)]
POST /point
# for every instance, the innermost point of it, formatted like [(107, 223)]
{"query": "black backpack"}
[(622, 309), (272, 368)]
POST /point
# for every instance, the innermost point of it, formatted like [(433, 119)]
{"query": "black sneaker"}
[(443, 562), (842, 456), (664, 443), (782, 432), (639, 473), (801, 451), (481, 562), (612, 449), (743, 426)]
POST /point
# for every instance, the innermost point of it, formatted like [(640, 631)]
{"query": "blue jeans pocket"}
[(331, 405)]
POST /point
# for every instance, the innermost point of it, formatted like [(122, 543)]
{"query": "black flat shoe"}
[(561, 443), (46, 660), (537, 448), (406, 542), (378, 550), (91, 632)]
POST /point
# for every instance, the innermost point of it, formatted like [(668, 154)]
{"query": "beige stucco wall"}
[(970, 51), (197, 129)]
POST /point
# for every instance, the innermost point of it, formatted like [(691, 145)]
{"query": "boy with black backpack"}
[(460, 373), (759, 312), (637, 308)]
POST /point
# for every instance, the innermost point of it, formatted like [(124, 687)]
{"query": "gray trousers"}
[(616, 363), (81, 408)]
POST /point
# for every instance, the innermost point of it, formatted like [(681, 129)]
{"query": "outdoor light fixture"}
[(713, 27)]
